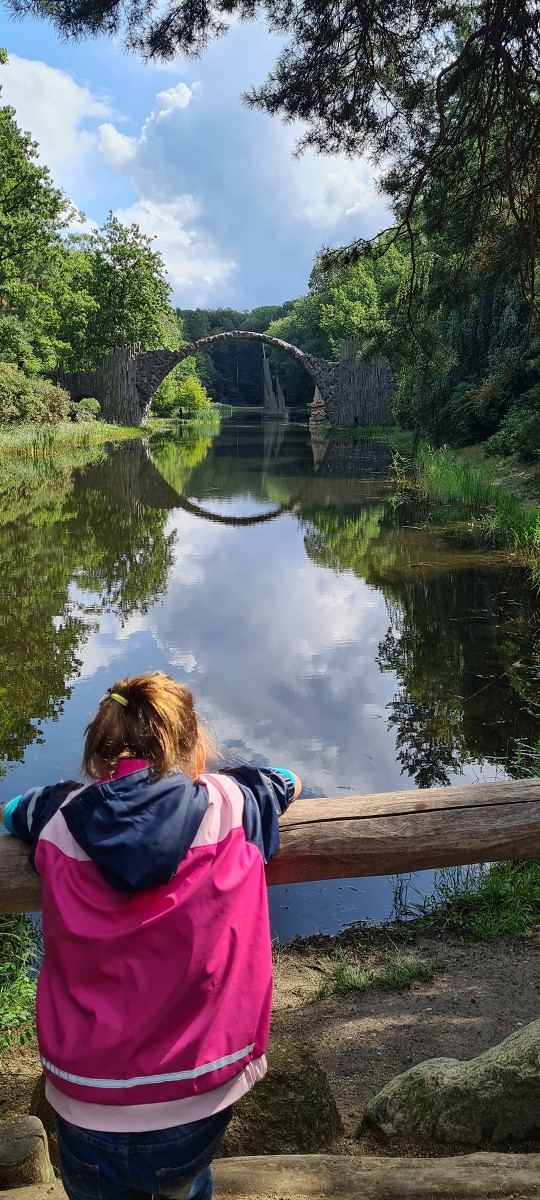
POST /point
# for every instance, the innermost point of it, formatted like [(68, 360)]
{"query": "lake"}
[(324, 623)]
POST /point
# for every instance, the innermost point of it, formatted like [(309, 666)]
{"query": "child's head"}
[(148, 716)]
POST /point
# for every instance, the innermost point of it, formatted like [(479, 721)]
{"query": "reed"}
[(501, 515), (480, 903), (48, 441)]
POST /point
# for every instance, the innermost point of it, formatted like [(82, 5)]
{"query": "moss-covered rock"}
[(493, 1099), (291, 1111)]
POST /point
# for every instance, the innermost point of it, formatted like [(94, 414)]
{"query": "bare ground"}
[(480, 995)]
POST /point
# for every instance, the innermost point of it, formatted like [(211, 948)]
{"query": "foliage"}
[(193, 397), (54, 401), (482, 902), (181, 392), (123, 297), (519, 431), (32, 214), (26, 400), (31, 208), (476, 359), (19, 956), (166, 398), (86, 409)]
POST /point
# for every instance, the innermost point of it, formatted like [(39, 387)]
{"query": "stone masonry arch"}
[(154, 365), (349, 392)]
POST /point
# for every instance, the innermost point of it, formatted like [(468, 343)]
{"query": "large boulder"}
[(493, 1099), (291, 1111)]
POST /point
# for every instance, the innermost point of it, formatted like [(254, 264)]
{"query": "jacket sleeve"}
[(27, 815), (268, 791)]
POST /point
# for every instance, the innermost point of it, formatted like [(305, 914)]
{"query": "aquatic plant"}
[(45, 441), (500, 515)]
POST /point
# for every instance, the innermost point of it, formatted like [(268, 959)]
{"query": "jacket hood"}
[(137, 829)]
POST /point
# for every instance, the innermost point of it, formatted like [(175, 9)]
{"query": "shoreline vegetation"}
[(40, 441), (499, 497)]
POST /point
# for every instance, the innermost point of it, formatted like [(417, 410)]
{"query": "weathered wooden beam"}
[(395, 832), (358, 836)]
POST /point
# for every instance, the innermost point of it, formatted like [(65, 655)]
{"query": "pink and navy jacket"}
[(154, 996)]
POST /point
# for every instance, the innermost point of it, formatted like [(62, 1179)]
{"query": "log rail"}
[(355, 836)]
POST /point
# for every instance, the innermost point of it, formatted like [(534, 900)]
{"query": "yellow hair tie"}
[(119, 699)]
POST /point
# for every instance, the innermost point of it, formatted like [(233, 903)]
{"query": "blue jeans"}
[(133, 1166)]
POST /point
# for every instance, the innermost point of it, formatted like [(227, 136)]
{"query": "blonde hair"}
[(155, 719)]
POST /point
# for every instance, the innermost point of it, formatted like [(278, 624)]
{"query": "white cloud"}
[(153, 164), (344, 190), (116, 148), (322, 190), (236, 216), (191, 258), (173, 97), (56, 110), (119, 149)]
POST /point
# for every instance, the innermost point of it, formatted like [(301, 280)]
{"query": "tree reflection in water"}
[(69, 531), (462, 641)]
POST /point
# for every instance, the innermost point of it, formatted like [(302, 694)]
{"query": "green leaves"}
[(32, 215), (20, 942)]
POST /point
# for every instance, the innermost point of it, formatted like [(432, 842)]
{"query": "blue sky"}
[(237, 218)]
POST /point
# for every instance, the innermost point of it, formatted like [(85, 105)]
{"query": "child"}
[(154, 996)]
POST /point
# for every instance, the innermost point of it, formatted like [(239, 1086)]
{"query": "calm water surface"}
[(365, 642)]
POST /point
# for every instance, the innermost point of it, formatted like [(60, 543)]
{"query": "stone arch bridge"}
[(348, 392)]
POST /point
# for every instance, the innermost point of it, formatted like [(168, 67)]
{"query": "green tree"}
[(32, 215), (121, 293), (171, 395), (76, 308), (193, 396)]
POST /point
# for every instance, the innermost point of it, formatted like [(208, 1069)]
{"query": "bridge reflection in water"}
[(133, 475)]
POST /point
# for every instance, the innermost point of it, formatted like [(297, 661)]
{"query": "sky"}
[(237, 218)]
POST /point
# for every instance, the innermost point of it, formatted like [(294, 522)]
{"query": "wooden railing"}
[(366, 835)]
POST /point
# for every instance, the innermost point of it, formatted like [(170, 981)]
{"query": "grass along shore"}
[(49, 441), (481, 487)]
